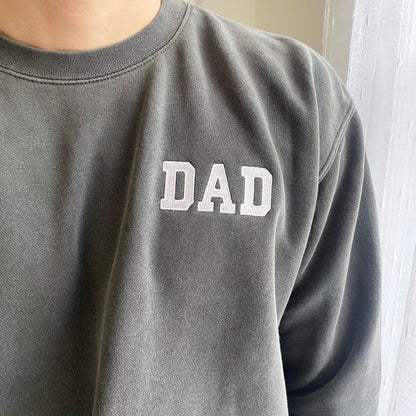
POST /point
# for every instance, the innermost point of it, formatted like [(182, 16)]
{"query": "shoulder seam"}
[(337, 141)]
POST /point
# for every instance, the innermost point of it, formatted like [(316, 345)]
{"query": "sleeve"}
[(330, 330)]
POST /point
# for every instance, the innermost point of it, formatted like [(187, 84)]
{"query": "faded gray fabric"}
[(144, 271)]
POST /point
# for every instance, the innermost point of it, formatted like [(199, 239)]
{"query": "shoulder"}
[(277, 67)]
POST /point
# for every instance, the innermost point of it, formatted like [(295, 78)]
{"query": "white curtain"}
[(382, 80)]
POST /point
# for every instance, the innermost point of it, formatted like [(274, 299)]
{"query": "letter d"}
[(169, 201)]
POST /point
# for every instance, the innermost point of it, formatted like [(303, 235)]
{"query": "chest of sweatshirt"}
[(194, 170)]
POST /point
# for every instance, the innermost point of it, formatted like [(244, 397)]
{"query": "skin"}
[(74, 25)]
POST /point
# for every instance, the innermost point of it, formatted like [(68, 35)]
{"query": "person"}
[(188, 223)]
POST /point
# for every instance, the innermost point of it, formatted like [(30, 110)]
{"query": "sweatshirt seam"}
[(158, 50), (339, 136)]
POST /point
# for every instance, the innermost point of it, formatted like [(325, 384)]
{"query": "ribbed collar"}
[(75, 65)]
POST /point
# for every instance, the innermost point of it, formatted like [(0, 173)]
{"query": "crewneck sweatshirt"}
[(188, 227)]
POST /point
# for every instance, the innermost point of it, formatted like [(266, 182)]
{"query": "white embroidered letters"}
[(248, 207), (217, 175), (227, 206), (169, 201)]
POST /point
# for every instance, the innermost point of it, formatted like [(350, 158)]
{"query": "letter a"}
[(169, 201), (227, 206), (248, 207)]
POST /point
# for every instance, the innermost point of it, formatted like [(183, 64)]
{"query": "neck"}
[(74, 25)]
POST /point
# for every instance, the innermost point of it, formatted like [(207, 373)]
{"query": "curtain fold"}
[(382, 81)]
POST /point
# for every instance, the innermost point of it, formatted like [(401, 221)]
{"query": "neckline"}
[(28, 61)]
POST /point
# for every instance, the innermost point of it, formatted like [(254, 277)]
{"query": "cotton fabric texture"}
[(188, 226)]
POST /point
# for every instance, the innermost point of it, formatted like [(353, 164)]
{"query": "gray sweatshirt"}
[(188, 227)]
